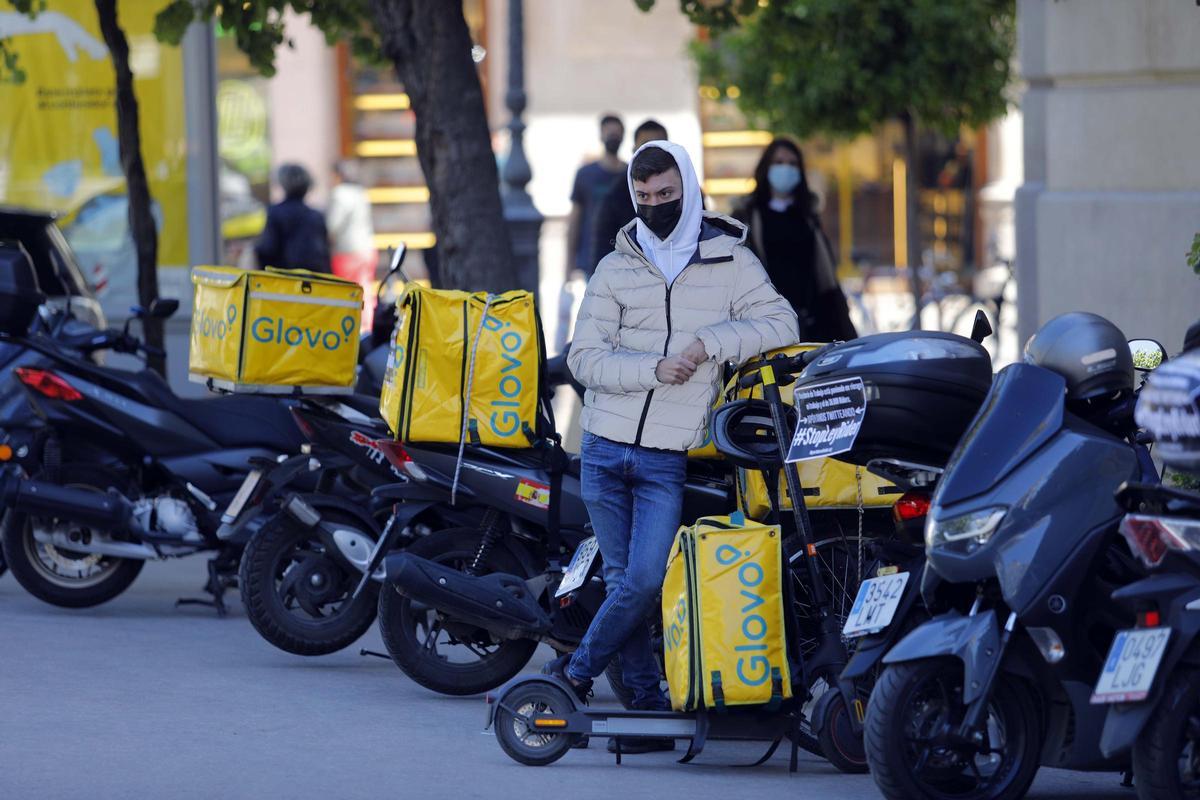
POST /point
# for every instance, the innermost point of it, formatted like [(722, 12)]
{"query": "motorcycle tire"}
[(34, 564), (401, 621), (293, 615), (1157, 752), (940, 773)]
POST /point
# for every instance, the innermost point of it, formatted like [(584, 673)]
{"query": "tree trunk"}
[(912, 214), (430, 45), (141, 220)]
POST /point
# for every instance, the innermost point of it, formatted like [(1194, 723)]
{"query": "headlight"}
[(974, 528)]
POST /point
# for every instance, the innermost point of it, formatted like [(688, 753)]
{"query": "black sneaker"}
[(558, 668)]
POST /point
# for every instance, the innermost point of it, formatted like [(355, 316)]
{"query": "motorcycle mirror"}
[(163, 307), (1147, 354), (981, 328), (395, 267)]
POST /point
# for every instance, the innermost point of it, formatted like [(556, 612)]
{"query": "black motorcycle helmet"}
[(1090, 352), (742, 431)]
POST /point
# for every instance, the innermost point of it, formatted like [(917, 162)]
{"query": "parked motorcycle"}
[(300, 570), (1023, 555), (1152, 672), (130, 472)]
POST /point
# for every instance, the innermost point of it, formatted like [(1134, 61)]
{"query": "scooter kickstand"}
[(215, 587)]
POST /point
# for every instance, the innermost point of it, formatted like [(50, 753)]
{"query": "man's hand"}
[(695, 353), (675, 369)]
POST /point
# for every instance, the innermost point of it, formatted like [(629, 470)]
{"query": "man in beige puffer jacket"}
[(681, 295)]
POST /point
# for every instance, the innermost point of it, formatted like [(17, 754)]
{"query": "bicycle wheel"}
[(844, 562)]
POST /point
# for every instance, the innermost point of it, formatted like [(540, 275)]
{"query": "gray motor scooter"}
[(1023, 552)]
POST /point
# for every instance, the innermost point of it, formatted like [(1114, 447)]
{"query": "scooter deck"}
[(697, 727)]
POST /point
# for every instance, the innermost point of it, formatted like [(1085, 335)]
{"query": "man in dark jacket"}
[(613, 211), (295, 236)]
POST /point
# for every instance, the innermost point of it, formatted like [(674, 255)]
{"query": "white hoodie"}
[(672, 254)]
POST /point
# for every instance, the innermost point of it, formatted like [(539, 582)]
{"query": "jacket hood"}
[(671, 254)]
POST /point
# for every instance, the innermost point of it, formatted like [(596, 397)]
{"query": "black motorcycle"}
[(463, 609), (301, 569), (129, 472), (1023, 556)]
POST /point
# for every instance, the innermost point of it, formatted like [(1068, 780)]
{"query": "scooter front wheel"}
[(1166, 758), (517, 728), (913, 744)]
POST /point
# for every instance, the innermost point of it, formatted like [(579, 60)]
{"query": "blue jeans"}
[(634, 497)]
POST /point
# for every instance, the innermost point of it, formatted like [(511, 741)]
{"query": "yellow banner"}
[(58, 134)]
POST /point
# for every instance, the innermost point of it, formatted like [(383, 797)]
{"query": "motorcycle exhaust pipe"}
[(500, 604), (41, 498), (99, 545)]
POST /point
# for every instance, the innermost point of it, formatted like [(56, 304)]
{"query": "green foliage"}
[(258, 26), (1193, 256), (1183, 480), (843, 66), (10, 65), (1146, 360)]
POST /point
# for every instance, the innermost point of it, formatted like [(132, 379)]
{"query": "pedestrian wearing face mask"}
[(786, 235), (679, 296), (592, 183)]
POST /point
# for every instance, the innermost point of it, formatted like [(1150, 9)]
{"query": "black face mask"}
[(662, 218), (612, 145)]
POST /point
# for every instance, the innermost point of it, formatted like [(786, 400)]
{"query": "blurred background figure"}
[(592, 182), (294, 236), (616, 207), (351, 233), (785, 233)]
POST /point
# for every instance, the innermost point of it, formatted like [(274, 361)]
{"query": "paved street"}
[(139, 700)]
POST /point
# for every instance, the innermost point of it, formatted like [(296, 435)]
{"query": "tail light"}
[(399, 458), (1150, 538), (48, 384), (1149, 619), (304, 425), (910, 506)]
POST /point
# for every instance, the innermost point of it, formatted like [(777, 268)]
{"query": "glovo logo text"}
[(752, 670), (211, 326), (507, 422), (677, 626), (277, 330)]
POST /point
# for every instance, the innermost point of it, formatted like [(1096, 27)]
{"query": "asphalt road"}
[(137, 699)]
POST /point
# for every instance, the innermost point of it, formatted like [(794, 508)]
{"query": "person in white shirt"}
[(351, 234)]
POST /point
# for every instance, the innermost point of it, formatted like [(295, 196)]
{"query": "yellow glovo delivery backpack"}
[(274, 330), (465, 365), (724, 642)]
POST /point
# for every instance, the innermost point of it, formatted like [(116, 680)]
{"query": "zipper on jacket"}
[(650, 395)]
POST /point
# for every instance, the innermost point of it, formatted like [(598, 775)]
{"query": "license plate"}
[(242, 497), (875, 604), (580, 566), (1133, 659)]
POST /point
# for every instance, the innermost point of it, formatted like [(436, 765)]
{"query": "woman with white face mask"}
[(786, 235)]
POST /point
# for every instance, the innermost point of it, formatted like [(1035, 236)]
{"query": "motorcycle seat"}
[(230, 420)]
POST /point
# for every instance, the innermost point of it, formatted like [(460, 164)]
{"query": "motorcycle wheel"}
[(914, 710), (516, 733), (61, 577), (440, 654), (297, 596), (1166, 757)]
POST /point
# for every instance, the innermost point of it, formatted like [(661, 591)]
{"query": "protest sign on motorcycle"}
[(830, 416)]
